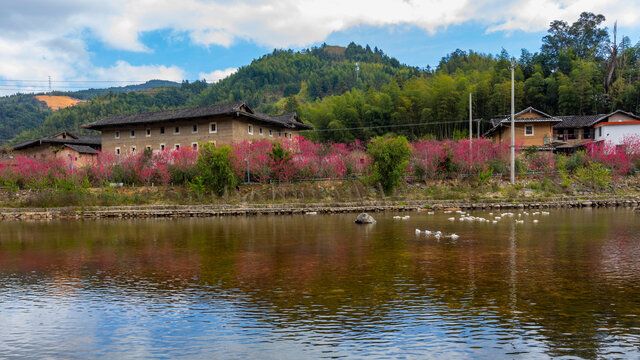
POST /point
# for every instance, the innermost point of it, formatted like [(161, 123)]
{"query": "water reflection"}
[(279, 287)]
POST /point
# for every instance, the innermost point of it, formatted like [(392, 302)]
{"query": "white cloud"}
[(217, 75), (41, 37)]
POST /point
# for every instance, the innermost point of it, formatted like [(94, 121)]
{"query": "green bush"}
[(214, 168), (595, 176), (576, 161), (390, 157)]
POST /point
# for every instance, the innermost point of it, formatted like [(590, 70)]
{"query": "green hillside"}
[(358, 92), (275, 82)]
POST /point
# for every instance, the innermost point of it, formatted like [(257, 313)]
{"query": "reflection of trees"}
[(561, 287)]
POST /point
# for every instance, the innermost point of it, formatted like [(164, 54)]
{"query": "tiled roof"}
[(90, 140), (577, 121), (240, 108), (82, 149), (506, 120)]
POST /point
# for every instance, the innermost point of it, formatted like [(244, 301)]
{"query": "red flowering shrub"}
[(611, 156)]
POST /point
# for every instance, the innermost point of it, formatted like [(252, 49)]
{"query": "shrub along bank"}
[(384, 167)]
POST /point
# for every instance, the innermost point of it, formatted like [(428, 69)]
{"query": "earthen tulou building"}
[(174, 129)]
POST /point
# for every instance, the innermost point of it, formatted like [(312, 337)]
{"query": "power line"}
[(392, 126)]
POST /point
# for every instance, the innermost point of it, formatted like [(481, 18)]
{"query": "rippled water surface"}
[(293, 287)]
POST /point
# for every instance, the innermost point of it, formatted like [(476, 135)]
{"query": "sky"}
[(86, 43)]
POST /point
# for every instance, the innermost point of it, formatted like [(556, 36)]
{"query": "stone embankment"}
[(170, 211)]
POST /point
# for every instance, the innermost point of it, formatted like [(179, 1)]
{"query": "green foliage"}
[(575, 161), (390, 158), (214, 167), (594, 176), (484, 176)]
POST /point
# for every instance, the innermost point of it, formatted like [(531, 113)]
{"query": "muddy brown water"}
[(304, 286)]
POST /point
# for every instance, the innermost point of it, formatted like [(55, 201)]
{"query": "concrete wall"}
[(616, 133), (228, 130)]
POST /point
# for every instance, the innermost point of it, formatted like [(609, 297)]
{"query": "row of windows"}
[(250, 132), (163, 147), (213, 128)]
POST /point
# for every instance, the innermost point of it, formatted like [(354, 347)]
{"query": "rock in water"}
[(365, 218)]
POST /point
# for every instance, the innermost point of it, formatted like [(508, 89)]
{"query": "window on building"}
[(528, 130), (162, 147), (133, 133), (279, 133), (176, 130), (176, 146), (260, 131), (148, 147), (117, 151), (148, 132), (133, 149), (162, 130), (571, 134), (587, 133), (213, 128), (600, 131), (250, 129), (117, 134), (194, 146), (290, 135), (270, 132), (195, 128)]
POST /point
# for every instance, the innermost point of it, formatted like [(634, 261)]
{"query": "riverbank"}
[(174, 211), (311, 197)]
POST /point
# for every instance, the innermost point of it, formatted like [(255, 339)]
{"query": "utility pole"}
[(513, 125), (470, 123), (478, 127)]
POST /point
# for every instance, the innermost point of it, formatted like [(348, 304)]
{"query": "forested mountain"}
[(311, 74), (276, 82), (71, 118), (19, 113), (580, 68), (91, 93)]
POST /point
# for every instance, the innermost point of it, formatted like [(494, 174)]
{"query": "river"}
[(305, 286)]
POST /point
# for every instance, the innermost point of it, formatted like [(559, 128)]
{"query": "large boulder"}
[(365, 218)]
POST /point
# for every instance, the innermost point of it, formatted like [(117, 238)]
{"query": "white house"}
[(619, 125)]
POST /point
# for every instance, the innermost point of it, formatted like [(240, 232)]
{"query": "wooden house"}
[(532, 128)]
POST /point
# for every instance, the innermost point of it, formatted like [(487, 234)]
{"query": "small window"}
[(133, 133), (250, 129), (528, 130), (133, 149), (117, 134), (260, 131), (285, 135), (176, 130), (161, 147), (148, 132), (117, 151), (290, 135), (270, 132), (148, 147), (600, 131), (213, 128), (176, 146), (194, 146), (280, 133), (195, 128), (162, 130)]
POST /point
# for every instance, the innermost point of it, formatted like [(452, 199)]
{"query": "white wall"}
[(615, 133)]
